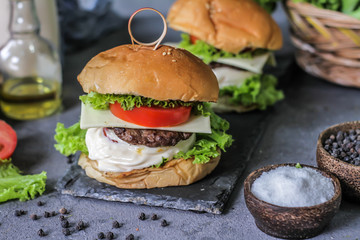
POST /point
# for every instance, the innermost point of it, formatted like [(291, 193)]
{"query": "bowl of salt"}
[(292, 201)]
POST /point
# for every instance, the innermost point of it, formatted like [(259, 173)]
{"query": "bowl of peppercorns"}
[(338, 151)]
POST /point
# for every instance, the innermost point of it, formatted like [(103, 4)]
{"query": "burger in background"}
[(236, 38), (146, 121)]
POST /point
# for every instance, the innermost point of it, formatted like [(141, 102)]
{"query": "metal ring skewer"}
[(156, 42)]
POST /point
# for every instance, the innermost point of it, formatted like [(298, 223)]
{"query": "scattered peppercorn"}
[(130, 237), (17, 213), (70, 159), (53, 213), (63, 211), (62, 217), (33, 216), (142, 216), (154, 217), (115, 224), (47, 214), (41, 233), (66, 231), (109, 235), (164, 223), (101, 235), (22, 212), (40, 203), (80, 225), (65, 224), (345, 146)]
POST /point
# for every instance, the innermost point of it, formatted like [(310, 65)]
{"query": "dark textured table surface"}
[(289, 135)]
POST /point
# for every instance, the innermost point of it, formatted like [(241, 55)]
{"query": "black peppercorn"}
[(65, 224), (53, 213), (109, 235), (70, 159), (47, 214), (164, 223), (33, 216), (115, 224), (101, 235), (154, 217), (63, 210), (66, 231), (62, 217), (40, 203), (142, 216), (41, 233), (130, 237), (17, 213), (80, 225), (346, 147)]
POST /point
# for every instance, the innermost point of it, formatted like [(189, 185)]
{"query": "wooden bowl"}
[(348, 174), (291, 222)]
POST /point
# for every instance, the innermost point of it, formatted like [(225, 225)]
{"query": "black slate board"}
[(208, 195)]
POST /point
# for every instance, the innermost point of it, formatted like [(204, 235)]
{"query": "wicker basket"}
[(327, 42)]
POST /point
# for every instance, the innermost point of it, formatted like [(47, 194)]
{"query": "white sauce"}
[(231, 77), (293, 187), (121, 156)]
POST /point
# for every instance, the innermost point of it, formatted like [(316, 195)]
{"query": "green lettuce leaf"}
[(206, 145), (210, 54), (258, 89), (268, 5), (325, 4), (129, 102), (13, 185), (349, 7), (70, 140)]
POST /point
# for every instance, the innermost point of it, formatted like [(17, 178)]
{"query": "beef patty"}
[(150, 137)]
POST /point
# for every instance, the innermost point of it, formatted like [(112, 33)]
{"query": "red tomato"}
[(152, 116), (8, 140), (193, 39)]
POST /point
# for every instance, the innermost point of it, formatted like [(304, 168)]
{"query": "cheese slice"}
[(227, 76), (255, 64), (91, 118)]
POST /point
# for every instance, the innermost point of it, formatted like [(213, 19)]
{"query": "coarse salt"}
[(293, 187)]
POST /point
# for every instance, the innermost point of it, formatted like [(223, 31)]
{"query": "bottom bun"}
[(223, 106), (173, 173)]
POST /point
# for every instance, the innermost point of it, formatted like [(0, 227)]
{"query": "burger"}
[(145, 120), (236, 38)]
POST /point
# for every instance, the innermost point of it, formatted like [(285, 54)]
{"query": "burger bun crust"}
[(166, 73), (173, 173)]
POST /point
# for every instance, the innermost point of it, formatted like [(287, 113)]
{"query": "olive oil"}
[(30, 97)]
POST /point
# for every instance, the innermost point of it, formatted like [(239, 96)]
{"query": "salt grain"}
[(293, 187)]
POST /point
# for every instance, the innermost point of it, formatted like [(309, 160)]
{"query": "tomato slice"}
[(193, 39), (152, 116), (8, 140)]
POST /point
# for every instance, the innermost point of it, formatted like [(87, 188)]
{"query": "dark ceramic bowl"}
[(348, 174), (291, 222)]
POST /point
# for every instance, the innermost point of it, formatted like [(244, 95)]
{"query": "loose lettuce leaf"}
[(258, 89), (206, 145), (13, 185), (209, 53), (70, 140), (129, 102)]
